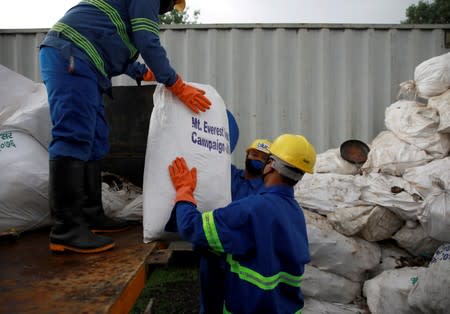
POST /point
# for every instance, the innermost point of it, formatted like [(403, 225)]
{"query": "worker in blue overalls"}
[(263, 237), (244, 182), (94, 41)]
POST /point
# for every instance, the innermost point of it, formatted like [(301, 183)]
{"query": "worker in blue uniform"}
[(263, 237), (247, 181), (244, 182), (94, 41)]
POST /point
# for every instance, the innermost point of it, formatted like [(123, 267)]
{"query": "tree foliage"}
[(175, 17), (426, 12)]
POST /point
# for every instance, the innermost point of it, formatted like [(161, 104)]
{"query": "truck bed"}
[(35, 280)]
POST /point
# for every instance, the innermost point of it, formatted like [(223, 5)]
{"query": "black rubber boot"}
[(70, 231), (92, 206)]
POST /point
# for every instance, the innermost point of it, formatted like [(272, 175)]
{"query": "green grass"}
[(173, 288)]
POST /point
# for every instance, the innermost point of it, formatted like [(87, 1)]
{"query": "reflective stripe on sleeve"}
[(225, 311), (115, 18), (209, 228), (262, 282), (143, 24)]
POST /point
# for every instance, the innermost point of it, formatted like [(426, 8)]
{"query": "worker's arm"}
[(237, 181), (224, 230), (145, 36), (145, 28), (139, 72), (235, 171)]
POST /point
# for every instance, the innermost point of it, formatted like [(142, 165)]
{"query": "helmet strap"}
[(285, 169)]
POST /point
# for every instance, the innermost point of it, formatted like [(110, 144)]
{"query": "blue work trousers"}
[(76, 106), (212, 283)]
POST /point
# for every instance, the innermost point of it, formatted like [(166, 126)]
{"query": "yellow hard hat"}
[(260, 144), (295, 150), (179, 5)]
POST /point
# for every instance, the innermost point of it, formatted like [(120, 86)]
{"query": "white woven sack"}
[(314, 306), (329, 287), (341, 191), (431, 77), (24, 106), (417, 124), (202, 139), (391, 155), (331, 161), (23, 183), (436, 216), (416, 241), (388, 292), (350, 257), (394, 193), (421, 178), (442, 104), (430, 293)]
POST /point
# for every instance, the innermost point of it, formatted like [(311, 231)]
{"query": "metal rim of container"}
[(360, 145)]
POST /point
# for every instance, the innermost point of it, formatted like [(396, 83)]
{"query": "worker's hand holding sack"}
[(191, 96), (204, 142)]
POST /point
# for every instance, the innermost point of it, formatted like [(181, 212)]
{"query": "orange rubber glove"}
[(184, 180), (149, 76), (191, 96)]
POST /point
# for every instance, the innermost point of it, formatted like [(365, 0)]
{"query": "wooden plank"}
[(159, 257), (35, 280), (131, 292), (180, 246)]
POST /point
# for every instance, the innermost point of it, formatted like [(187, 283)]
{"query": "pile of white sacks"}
[(367, 225)]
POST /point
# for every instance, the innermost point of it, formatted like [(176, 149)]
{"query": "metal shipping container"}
[(328, 82)]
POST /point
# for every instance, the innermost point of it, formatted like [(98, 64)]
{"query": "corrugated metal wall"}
[(329, 82)]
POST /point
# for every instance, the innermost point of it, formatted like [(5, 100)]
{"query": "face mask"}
[(165, 6), (264, 174), (254, 167)]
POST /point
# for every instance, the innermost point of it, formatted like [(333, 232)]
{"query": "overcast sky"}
[(44, 13)]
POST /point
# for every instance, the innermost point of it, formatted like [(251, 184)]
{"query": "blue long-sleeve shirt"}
[(110, 34), (265, 243), (242, 187)]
